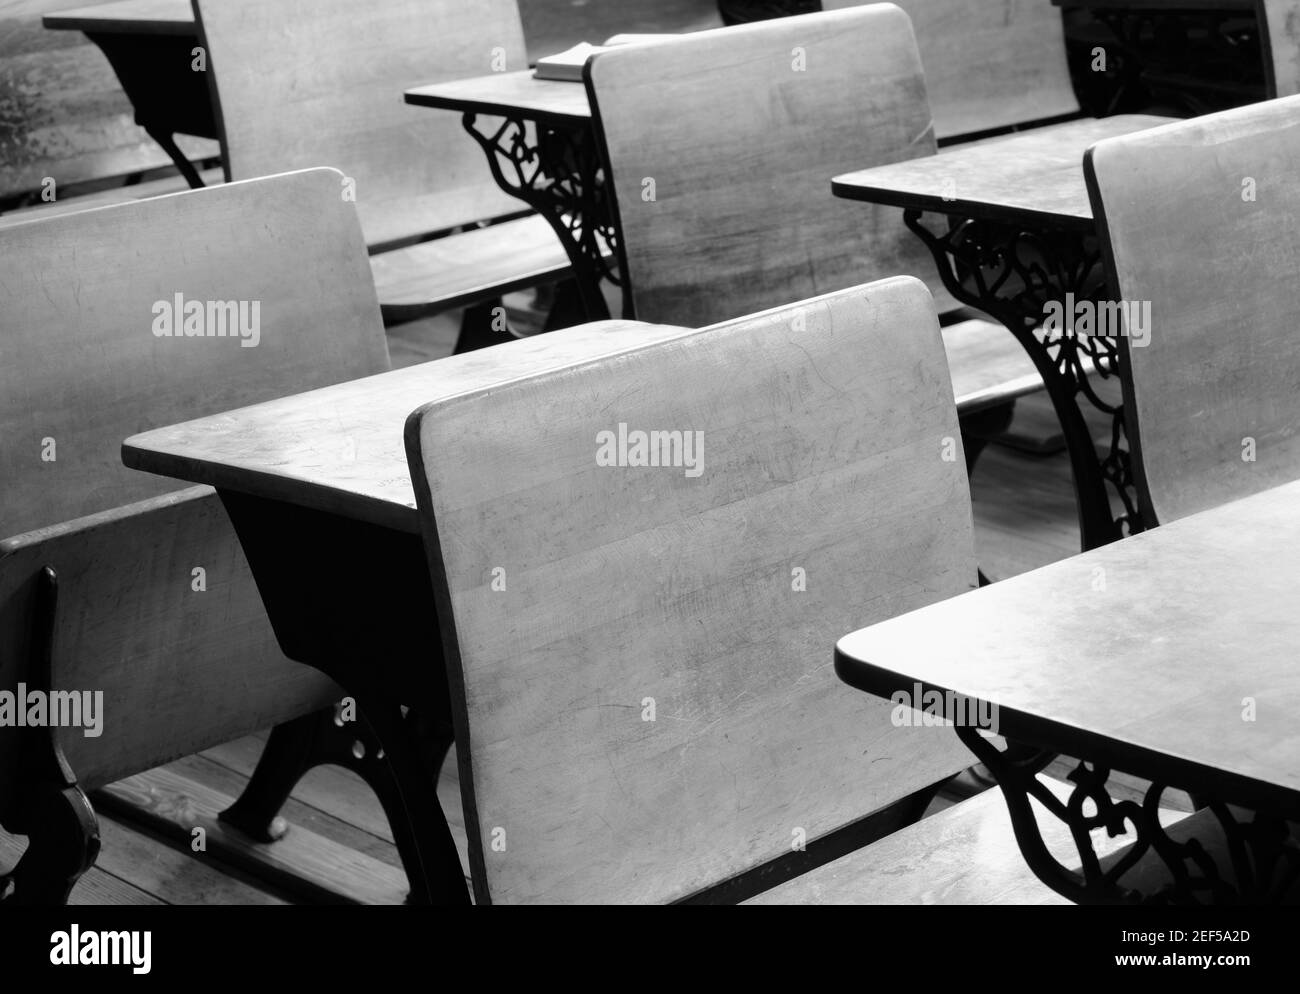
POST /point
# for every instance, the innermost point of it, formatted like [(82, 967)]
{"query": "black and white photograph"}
[(459, 453)]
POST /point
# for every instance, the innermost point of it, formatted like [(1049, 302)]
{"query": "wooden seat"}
[(1199, 219), (299, 91), (475, 265), (965, 854), (988, 66), (712, 597), (185, 660), (117, 195), (66, 117), (987, 365)]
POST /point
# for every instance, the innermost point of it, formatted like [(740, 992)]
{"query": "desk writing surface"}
[(160, 17), (340, 449), (1154, 643), (507, 93), (1032, 176)]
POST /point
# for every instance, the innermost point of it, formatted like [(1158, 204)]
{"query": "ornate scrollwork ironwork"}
[(1257, 862), (1013, 274), (556, 170)]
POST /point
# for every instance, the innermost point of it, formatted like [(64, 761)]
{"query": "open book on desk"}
[(567, 66)]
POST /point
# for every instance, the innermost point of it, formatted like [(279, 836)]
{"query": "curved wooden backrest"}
[(1279, 22), (304, 83), (81, 367), (1200, 217), (180, 669), (722, 147), (582, 599), (989, 63)]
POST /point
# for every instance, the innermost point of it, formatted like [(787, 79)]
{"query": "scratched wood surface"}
[(988, 63), (823, 425), (1200, 620), (740, 130), (305, 83)]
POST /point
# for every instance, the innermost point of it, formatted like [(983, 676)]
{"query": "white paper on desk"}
[(566, 66)]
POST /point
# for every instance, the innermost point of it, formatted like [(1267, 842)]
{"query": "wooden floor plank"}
[(325, 820), (178, 876), (174, 804), (345, 796), (97, 887)]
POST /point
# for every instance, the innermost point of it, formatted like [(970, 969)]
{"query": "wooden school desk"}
[(150, 45), (1170, 655), (319, 493), (539, 141), (1019, 234)]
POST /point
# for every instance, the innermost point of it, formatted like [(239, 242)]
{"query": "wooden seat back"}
[(64, 115), (184, 659), (645, 651), (81, 367), (721, 145), (989, 65), (301, 83), (1198, 223)]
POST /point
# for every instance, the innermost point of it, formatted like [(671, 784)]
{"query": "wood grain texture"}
[(988, 366), (179, 669), (80, 365), (740, 145), (339, 449), (822, 428), (1195, 617), (1034, 177), (1217, 268), (97, 886), (468, 267), (62, 112), (305, 83), (103, 198), (988, 63), (184, 876), (178, 803), (79, 362)]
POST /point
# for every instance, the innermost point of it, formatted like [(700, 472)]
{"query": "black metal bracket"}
[(168, 96), (1261, 865), (328, 738), (556, 169), (369, 624), (1012, 275), (52, 811)]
